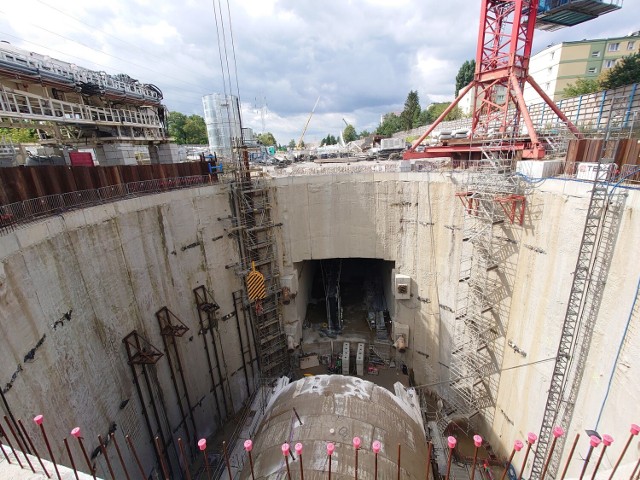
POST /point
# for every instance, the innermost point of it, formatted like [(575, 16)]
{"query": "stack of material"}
[(345, 358)]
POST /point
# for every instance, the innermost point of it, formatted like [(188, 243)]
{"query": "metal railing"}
[(16, 214)]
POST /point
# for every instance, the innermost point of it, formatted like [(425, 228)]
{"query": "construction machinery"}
[(300, 145)]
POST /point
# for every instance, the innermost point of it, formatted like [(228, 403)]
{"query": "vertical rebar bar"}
[(248, 446), (635, 469), (132, 449), (124, 466), (202, 445), (103, 449), (356, 445), (4, 452), (73, 463), (517, 446), (330, 449), (531, 439), (451, 441), (557, 432), (375, 446), (285, 453), (76, 433), (39, 420), (477, 441), (429, 447), (6, 437), (35, 452), (298, 448), (635, 429), (161, 457), (573, 448), (399, 451), (184, 459), (593, 443), (606, 440)]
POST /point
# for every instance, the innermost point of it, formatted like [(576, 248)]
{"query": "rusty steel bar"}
[(531, 439), (517, 446), (635, 429), (330, 449), (451, 441), (399, 448), (202, 445), (184, 459), (429, 447), (376, 446), (132, 449), (248, 446), (124, 466), (285, 453), (39, 420), (76, 433), (298, 448), (73, 463), (161, 457), (635, 469), (4, 452), (35, 452), (573, 448), (6, 437), (557, 432), (103, 449), (606, 440), (477, 441), (593, 443), (297, 416), (356, 445)]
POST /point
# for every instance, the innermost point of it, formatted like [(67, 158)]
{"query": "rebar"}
[(573, 448), (132, 449), (517, 446), (103, 449), (531, 439), (557, 432), (39, 420), (35, 452), (184, 459), (4, 435), (593, 443), (477, 441), (635, 429), (202, 445), (76, 433), (73, 463), (124, 466), (451, 441), (606, 440), (298, 448), (248, 446)]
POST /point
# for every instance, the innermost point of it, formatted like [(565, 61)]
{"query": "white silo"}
[(222, 117)]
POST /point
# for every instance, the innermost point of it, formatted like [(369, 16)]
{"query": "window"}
[(609, 63), (546, 86), (592, 70), (552, 55), (596, 53), (631, 45), (614, 47)]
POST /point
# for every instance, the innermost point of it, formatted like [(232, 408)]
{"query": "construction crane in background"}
[(304, 130), (502, 63)]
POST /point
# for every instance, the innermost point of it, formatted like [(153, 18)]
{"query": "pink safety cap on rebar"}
[(285, 449), (595, 441), (517, 445), (298, 448), (376, 447), (607, 439), (452, 442), (477, 440), (248, 445), (531, 438), (356, 442), (76, 432), (330, 448), (202, 444), (558, 431), (635, 429), (38, 419)]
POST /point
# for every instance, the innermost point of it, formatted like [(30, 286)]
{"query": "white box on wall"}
[(402, 287)]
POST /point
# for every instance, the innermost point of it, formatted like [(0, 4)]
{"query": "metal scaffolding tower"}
[(494, 201), (589, 278)]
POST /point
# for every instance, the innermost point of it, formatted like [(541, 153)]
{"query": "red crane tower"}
[(502, 62)]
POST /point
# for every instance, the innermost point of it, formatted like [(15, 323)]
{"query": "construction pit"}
[(127, 318)]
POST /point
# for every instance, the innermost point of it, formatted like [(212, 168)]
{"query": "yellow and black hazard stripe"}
[(256, 289)]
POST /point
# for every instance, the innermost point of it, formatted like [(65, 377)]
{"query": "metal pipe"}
[(248, 446), (184, 459), (18, 442), (156, 414), (73, 463), (208, 355), (593, 443), (226, 458), (557, 432), (635, 429), (330, 449), (174, 382), (356, 446), (39, 420), (297, 416), (202, 445), (162, 464), (429, 447), (376, 450), (106, 457), (143, 404), (186, 391), (477, 441), (6, 437), (517, 446), (298, 448), (132, 449), (566, 465), (215, 353), (242, 352), (285, 453), (76, 433), (531, 439), (452, 444), (606, 440), (124, 466), (35, 452)]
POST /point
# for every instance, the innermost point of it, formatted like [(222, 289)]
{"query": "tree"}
[(364, 134), (176, 122), (410, 116), (390, 124), (349, 134), (292, 143), (436, 109), (19, 135), (267, 139), (195, 131), (465, 75), (581, 87), (625, 72)]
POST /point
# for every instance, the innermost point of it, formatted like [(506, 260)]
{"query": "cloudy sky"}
[(361, 57)]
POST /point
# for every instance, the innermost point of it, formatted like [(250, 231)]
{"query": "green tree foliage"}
[(410, 116), (292, 143), (364, 134), (465, 75), (328, 140), (581, 87), (349, 134), (436, 109), (187, 129), (267, 139), (391, 123), (625, 72), (19, 135)]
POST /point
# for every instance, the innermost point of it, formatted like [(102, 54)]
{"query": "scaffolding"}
[(494, 202)]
